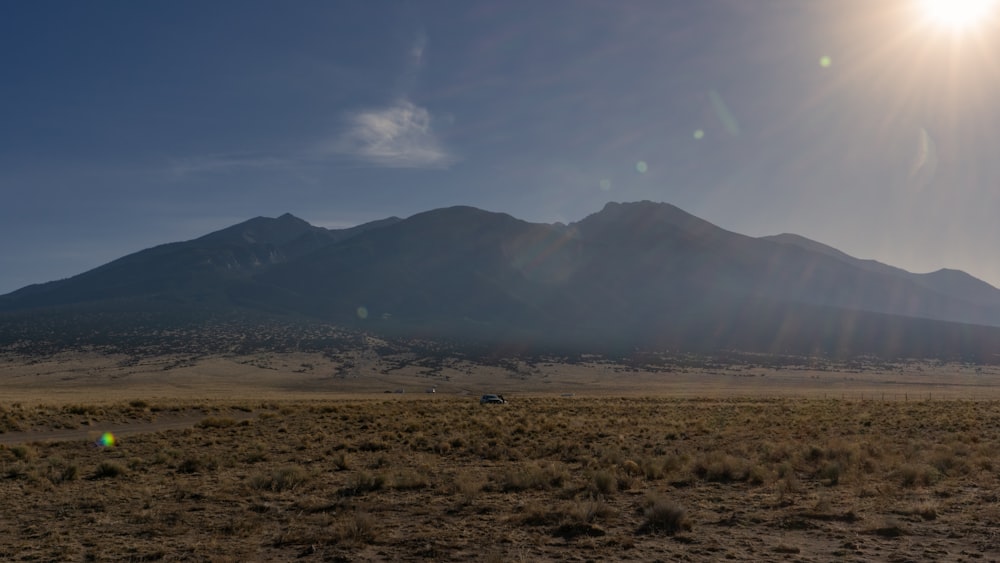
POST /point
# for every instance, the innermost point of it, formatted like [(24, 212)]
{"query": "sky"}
[(869, 126)]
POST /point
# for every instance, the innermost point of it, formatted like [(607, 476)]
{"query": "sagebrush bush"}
[(589, 511), (604, 482), (282, 479), (24, 452), (357, 527), (467, 486), (662, 516), (363, 482), (216, 422), (108, 470), (537, 477), (721, 468), (912, 475)]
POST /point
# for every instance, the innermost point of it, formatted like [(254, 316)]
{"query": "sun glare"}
[(957, 14)]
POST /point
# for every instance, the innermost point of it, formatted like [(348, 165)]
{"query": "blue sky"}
[(859, 124)]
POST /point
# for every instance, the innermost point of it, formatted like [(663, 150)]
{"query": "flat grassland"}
[(273, 458)]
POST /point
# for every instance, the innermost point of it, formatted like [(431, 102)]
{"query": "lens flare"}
[(722, 111), (107, 440), (957, 14)]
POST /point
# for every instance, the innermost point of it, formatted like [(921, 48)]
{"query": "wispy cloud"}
[(397, 136)]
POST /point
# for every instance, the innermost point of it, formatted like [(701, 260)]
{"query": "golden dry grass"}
[(543, 478)]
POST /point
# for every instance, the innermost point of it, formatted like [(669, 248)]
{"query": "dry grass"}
[(539, 479)]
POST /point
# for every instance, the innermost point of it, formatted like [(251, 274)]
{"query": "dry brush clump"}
[(663, 516), (286, 478)]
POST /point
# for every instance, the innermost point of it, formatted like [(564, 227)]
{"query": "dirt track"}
[(172, 421)]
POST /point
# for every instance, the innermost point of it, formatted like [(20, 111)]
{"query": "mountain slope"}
[(633, 274), (952, 283), (197, 271)]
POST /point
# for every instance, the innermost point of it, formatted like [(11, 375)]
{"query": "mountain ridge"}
[(639, 273)]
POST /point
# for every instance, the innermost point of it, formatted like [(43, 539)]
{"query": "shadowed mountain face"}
[(635, 274)]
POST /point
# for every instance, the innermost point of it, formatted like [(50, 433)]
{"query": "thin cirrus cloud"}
[(397, 136)]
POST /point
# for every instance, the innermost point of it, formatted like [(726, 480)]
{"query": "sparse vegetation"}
[(442, 478)]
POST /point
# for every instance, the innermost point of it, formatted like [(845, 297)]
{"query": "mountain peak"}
[(459, 216), (649, 210), (264, 230), (647, 217), (634, 206)]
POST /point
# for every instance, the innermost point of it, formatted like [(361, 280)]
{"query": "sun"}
[(957, 14)]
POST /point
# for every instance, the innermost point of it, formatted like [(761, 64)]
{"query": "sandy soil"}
[(100, 378)]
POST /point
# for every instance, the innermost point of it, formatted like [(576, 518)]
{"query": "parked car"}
[(491, 399)]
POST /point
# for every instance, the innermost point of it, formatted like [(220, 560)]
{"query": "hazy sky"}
[(857, 123)]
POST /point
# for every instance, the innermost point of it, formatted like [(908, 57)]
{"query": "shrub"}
[(632, 468), (109, 470), (830, 473), (68, 472), (282, 479), (23, 452), (196, 465), (538, 477), (604, 482), (662, 516), (538, 514), (216, 422), (364, 482), (911, 475), (591, 510), (340, 461), (721, 468), (467, 486), (358, 527), (373, 446)]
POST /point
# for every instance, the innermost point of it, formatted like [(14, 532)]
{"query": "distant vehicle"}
[(490, 399)]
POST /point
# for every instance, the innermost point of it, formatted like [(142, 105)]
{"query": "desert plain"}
[(363, 457)]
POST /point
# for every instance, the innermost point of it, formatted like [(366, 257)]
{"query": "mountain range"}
[(633, 275)]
